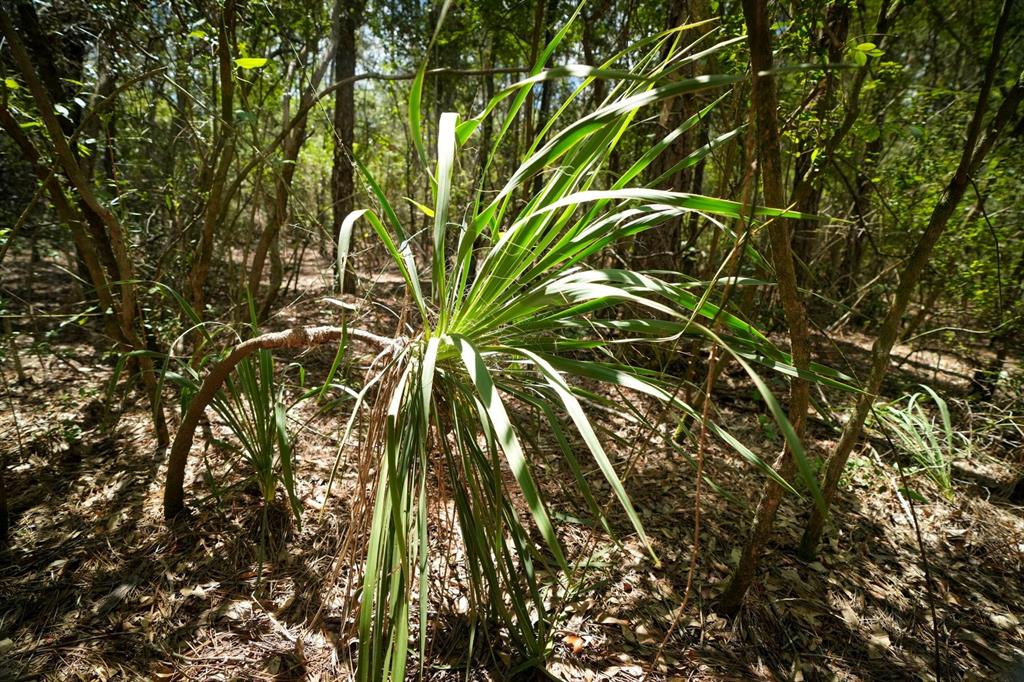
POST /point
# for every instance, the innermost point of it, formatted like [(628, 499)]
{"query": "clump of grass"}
[(251, 404), (928, 439)]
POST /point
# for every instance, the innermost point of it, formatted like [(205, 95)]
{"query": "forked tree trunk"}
[(970, 161), (294, 137), (270, 236), (765, 103)]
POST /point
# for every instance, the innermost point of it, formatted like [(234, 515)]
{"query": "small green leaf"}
[(866, 47), (197, 34), (11, 84), (859, 58), (426, 210), (249, 63), (914, 495)]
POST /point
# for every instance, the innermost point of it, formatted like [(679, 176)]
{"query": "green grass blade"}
[(445, 168), (506, 436), (579, 418)]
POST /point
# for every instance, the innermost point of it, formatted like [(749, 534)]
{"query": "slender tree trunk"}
[(295, 137), (535, 40), (97, 128), (68, 215), (731, 268), (44, 59), (659, 249), (270, 235), (832, 43), (487, 134), (590, 20), (347, 18), (545, 93), (224, 155), (985, 379), (806, 183), (127, 308), (924, 312), (5, 521), (970, 161), (853, 246), (764, 100)]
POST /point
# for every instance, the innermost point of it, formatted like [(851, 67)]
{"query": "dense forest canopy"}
[(505, 339)]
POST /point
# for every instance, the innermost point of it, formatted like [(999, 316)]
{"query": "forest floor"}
[(95, 585)]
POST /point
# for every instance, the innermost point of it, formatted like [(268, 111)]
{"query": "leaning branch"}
[(299, 337)]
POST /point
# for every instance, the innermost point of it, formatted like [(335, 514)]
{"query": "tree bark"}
[(970, 161), (5, 520), (278, 218), (845, 283), (764, 100), (294, 139), (224, 154), (832, 43), (535, 45), (985, 380), (73, 219), (659, 249)]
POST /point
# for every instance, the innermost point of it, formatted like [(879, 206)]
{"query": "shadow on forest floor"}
[(860, 612), (95, 585)]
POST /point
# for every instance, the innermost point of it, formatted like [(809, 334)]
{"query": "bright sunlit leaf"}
[(250, 63)]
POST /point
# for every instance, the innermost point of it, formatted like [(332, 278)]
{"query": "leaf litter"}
[(95, 586)]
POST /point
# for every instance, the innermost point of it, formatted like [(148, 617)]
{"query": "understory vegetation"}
[(374, 340)]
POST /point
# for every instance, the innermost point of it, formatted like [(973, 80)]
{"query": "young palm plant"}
[(251, 406), (516, 320)]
